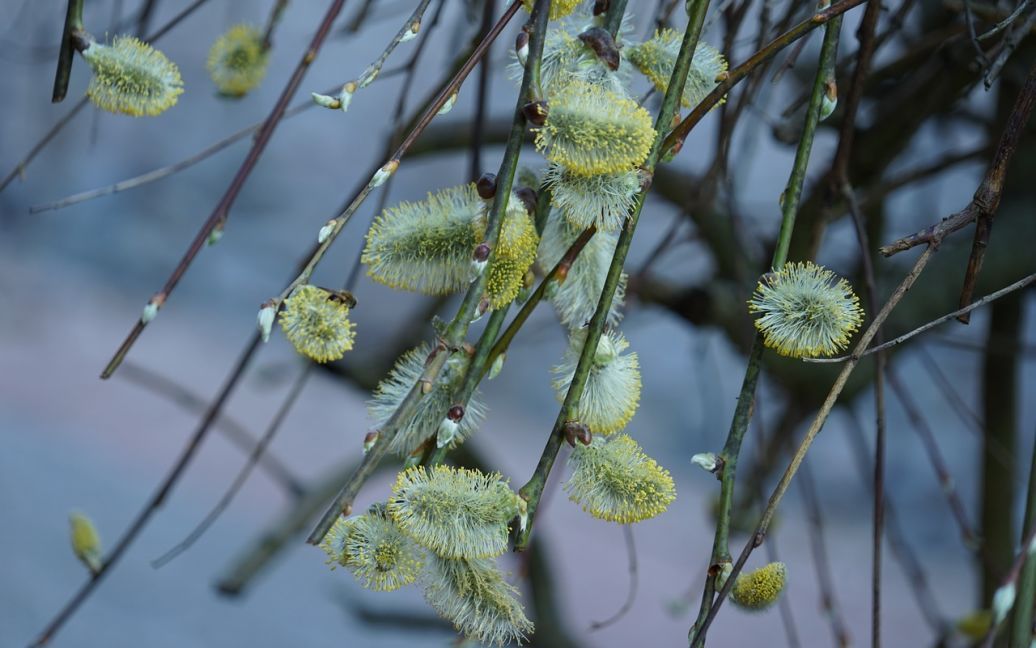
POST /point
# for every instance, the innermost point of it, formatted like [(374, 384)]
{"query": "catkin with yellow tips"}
[(612, 390), (373, 548), (454, 512), (237, 60), (423, 424), (426, 246), (805, 310), (316, 322), (612, 479), (132, 78), (759, 589), (656, 59), (603, 200), (473, 595), (515, 252), (591, 130)]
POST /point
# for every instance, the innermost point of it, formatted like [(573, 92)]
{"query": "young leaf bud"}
[(267, 313), (706, 460), (326, 230), (86, 543)]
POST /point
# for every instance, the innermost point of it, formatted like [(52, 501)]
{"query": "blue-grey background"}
[(73, 281)]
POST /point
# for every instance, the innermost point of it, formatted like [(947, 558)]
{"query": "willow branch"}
[(66, 55), (987, 197), (222, 210), (338, 223), (1018, 285)]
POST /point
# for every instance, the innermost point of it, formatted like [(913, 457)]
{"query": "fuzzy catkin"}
[(473, 595), (454, 512), (414, 430), (612, 390), (575, 299), (591, 130), (603, 200), (426, 246), (759, 589), (612, 479), (656, 59), (805, 310), (373, 548), (237, 60), (132, 78), (316, 322)]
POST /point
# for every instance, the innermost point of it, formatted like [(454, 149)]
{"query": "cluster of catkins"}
[(132, 78), (442, 526)]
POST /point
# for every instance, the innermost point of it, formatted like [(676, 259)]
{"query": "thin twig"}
[(243, 473), (821, 561), (234, 431), (987, 197), (901, 550), (1011, 579), (678, 134), (935, 458), (987, 202), (338, 223), (66, 55), (1021, 283), (631, 593), (743, 410), (156, 500)]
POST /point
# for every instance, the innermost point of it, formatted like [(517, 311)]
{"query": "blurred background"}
[(74, 280)]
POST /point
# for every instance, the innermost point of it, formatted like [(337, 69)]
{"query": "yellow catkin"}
[(316, 322), (592, 130), (656, 59), (759, 589), (237, 60), (515, 252), (454, 512), (805, 310), (132, 78), (612, 479), (558, 8), (86, 543)]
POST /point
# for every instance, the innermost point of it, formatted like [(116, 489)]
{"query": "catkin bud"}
[(86, 543), (521, 47), (486, 186)]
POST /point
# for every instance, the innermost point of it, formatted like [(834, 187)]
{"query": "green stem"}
[(533, 489), (1021, 624), (73, 24), (746, 398), (613, 19)]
